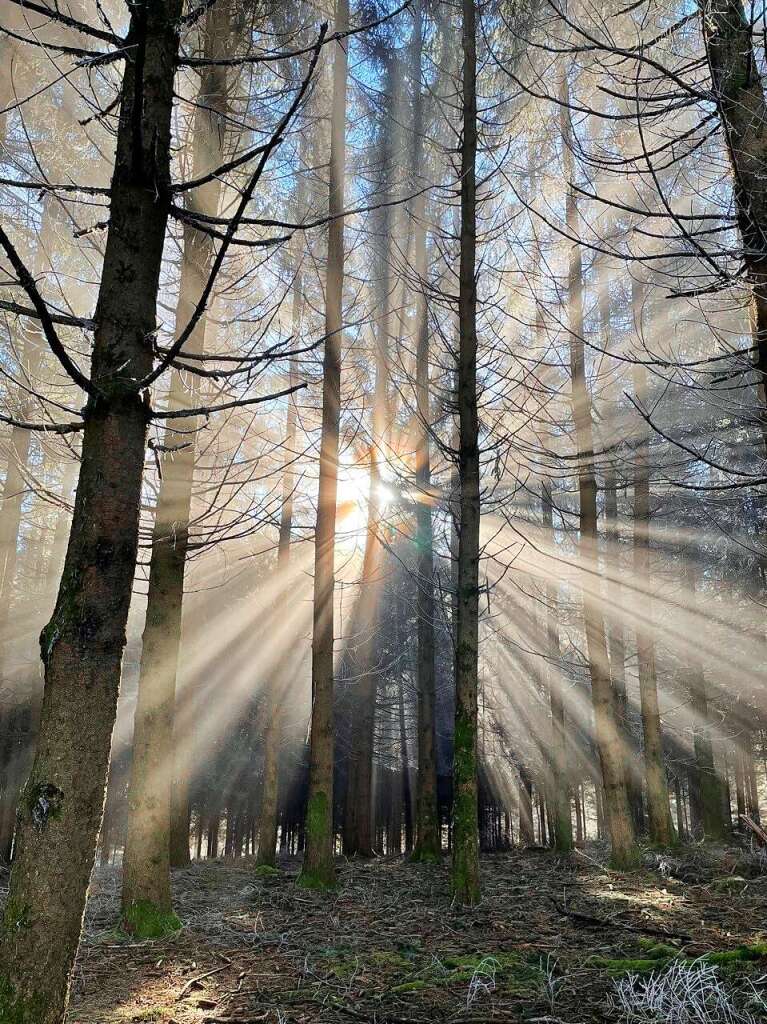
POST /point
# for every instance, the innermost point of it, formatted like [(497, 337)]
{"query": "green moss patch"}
[(310, 880), (14, 1009), (266, 871), (144, 920), (657, 956)]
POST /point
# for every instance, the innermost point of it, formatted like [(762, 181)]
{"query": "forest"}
[(383, 479)]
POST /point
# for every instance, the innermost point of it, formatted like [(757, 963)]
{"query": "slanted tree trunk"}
[(558, 766), (658, 807), (607, 732), (318, 869), (465, 869), (146, 895), (82, 646), (739, 93)]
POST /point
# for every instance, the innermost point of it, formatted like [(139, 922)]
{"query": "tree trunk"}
[(428, 839), (276, 689), (607, 732), (407, 795), (465, 872), (146, 894), (82, 646), (558, 761), (706, 785), (318, 868), (525, 793), (658, 808)]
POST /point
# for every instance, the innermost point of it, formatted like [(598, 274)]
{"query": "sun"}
[(353, 499)]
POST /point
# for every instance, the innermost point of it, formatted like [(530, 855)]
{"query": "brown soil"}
[(388, 946)]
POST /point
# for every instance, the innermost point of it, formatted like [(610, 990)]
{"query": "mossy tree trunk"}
[(82, 646), (146, 894), (465, 866), (318, 868), (607, 732)]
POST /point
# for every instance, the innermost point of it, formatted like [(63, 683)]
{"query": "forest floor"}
[(546, 944)]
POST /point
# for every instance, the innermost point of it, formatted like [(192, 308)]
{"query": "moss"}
[(14, 1009), (739, 954), (389, 958), (342, 966), (628, 965), (16, 915), (728, 883), (411, 986), (317, 882), (317, 817), (265, 871), (658, 956), (320, 877), (628, 860), (465, 876), (654, 950), (517, 973), (145, 920)]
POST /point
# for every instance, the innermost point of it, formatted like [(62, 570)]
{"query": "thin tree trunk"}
[(267, 819), (706, 785), (82, 646), (607, 732), (318, 869), (428, 843), (525, 793), (465, 868), (658, 808), (558, 766)]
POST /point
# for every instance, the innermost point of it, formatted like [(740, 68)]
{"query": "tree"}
[(465, 868), (318, 870), (607, 733), (146, 895), (81, 647), (428, 839)]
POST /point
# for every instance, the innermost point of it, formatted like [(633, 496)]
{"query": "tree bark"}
[(465, 867), (146, 894), (318, 868), (82, 646)]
